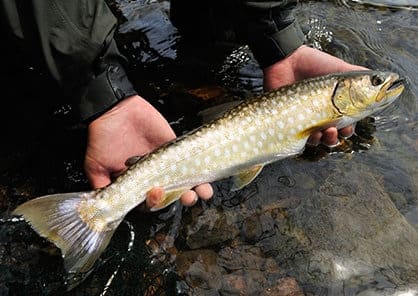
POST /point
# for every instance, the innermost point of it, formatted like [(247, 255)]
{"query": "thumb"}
[(98, 179), (154, 196)]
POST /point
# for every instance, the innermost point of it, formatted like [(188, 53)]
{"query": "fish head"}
[(361, 93)]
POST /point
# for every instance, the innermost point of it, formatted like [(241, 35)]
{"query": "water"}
[(339, 221)]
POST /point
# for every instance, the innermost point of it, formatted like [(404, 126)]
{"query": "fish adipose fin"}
[(169, 197), (245, 177), (57, 218)]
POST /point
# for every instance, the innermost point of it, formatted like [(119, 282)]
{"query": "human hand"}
[(133, 127), (307, 62)]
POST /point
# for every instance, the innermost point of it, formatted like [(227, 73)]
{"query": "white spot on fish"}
[(301, 116), (207, 159), (290, 120), (263, 136)]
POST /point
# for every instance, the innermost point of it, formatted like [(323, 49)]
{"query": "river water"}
[(341, 221)]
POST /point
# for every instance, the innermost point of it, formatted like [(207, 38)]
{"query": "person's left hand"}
[(306, 62)]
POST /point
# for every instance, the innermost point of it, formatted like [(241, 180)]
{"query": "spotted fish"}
[(259, 131)]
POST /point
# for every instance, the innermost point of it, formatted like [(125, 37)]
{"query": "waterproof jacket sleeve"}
[(73, 40), (270, 29)]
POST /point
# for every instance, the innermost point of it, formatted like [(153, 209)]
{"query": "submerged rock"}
[(344, 232)]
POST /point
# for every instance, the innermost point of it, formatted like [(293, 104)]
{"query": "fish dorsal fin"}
[(245, 177), (215, 112), (168, 198)]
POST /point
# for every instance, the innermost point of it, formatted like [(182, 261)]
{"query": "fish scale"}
[(259, 131)]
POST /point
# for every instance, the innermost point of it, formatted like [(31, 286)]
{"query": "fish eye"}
[(376, 80)]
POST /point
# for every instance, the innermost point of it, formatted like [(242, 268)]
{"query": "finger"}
[(154, 196), (99, 180), (189, 198), (330, 136), (315, 139), (204, 191), (347, 131)]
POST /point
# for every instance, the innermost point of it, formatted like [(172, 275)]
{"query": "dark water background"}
[(340, 221)]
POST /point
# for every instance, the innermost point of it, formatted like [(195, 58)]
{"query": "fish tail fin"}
[(81, 238)]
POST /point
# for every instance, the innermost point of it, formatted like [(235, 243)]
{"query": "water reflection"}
[(399, 4)]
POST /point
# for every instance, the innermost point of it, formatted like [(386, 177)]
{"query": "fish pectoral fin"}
[(169, 197), (317, 127), (245, 177)]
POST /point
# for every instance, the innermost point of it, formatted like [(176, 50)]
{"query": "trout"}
[(261, 130)]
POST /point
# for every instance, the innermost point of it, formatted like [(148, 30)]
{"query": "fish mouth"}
[(396, 88)]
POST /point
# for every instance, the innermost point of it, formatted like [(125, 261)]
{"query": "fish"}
[(261, 130)]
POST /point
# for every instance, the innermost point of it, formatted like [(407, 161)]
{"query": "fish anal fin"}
[(169, 197), (245, 177)]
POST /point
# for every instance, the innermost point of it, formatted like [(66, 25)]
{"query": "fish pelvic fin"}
[(57, 218)]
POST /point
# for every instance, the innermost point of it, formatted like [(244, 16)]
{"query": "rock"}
[(285, 287), (211, 228)]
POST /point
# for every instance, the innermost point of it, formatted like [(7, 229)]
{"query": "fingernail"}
[(334, 145), (196, 198)]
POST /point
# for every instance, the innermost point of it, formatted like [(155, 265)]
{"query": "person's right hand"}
[(133, 127), (306, 62)]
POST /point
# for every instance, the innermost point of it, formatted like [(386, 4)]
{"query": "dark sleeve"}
[(73, 40), (270, 29)]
